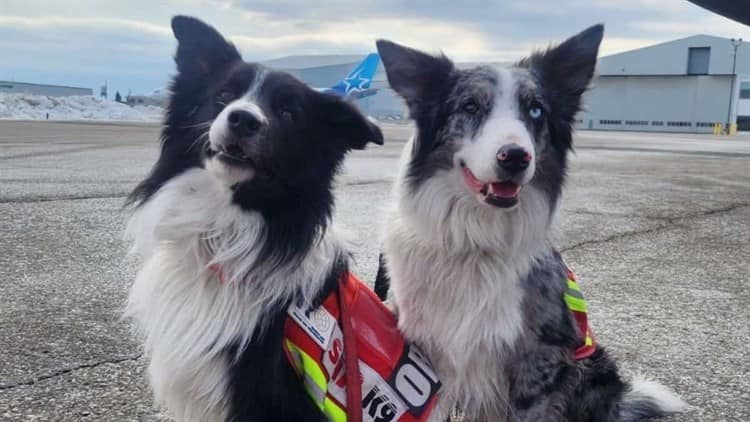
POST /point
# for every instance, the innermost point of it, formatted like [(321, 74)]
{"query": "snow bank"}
[(36, 107)]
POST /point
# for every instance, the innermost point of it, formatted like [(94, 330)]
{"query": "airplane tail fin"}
[(359, 78)]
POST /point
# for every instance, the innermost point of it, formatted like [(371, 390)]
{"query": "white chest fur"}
[(455, 268), (464, 311), (187, 318)]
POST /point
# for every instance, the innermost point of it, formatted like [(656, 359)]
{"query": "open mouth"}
[(237, 158), (500, 194)]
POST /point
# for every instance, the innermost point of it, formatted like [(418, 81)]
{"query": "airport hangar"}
[(685, 85), (11, 87)]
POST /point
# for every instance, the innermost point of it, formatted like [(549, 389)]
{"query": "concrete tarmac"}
[(657, 228)]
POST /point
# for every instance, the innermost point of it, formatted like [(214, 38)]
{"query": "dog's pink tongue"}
[(471, 180), (504, 189)]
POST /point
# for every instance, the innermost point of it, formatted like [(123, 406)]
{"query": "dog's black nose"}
[(243, 123), (513, 158)]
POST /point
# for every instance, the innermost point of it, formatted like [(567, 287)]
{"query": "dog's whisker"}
[(197, 125), (201, 138)]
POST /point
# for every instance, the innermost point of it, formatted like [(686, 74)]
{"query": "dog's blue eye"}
[(535, 112)]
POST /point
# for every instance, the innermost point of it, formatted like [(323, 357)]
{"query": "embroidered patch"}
[(317, 323)]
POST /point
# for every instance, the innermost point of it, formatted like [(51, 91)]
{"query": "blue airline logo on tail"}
[(359, 79)]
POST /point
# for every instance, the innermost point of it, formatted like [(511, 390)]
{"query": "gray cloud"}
[(129, 43)]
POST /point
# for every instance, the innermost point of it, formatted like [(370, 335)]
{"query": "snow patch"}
[(38, 107)]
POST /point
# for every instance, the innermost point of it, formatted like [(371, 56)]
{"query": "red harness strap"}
[(351, 359)]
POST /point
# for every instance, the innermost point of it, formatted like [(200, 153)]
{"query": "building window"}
[(610, 122), (743, 123), (657, 123), (679, 124), (698, 58), (745, 91), (636, 122)]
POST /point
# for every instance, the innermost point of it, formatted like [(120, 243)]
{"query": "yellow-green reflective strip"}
[(312, 374), (572, 285), (589, 340), (316, 384), (574, 293), (575, 303), (316, 393), (335, 413)]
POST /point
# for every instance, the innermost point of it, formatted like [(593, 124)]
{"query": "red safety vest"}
[(392, 380), (396, 382)]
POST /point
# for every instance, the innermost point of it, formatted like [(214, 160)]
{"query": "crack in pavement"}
[(670, 223), (60, 372), (61, 152), (31, 200), (365, 182)]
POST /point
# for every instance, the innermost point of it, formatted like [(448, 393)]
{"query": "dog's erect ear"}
[(201, 50), (566, 70), (346, 123), (414, 75)]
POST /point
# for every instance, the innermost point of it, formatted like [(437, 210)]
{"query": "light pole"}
[(736, 42)]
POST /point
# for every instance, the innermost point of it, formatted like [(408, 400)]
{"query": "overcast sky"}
[(129, 43)]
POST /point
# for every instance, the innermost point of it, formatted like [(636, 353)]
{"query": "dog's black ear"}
[(565, 71), (201, 50), (347, 124), (414, 75)]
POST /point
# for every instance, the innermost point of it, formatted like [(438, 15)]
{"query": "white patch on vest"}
[(318, 324)]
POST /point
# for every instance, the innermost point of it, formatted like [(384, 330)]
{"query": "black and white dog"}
[(243, 183), (475, 280)]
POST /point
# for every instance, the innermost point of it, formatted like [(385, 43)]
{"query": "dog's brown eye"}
[(285, 113), (470, 107), (225, 97)]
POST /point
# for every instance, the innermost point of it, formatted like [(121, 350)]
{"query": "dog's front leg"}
[(537, 390)]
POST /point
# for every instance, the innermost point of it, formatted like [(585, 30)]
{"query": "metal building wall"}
[(325, 76), (671, 58), (41, 89), (656, 103), (649, 89)]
